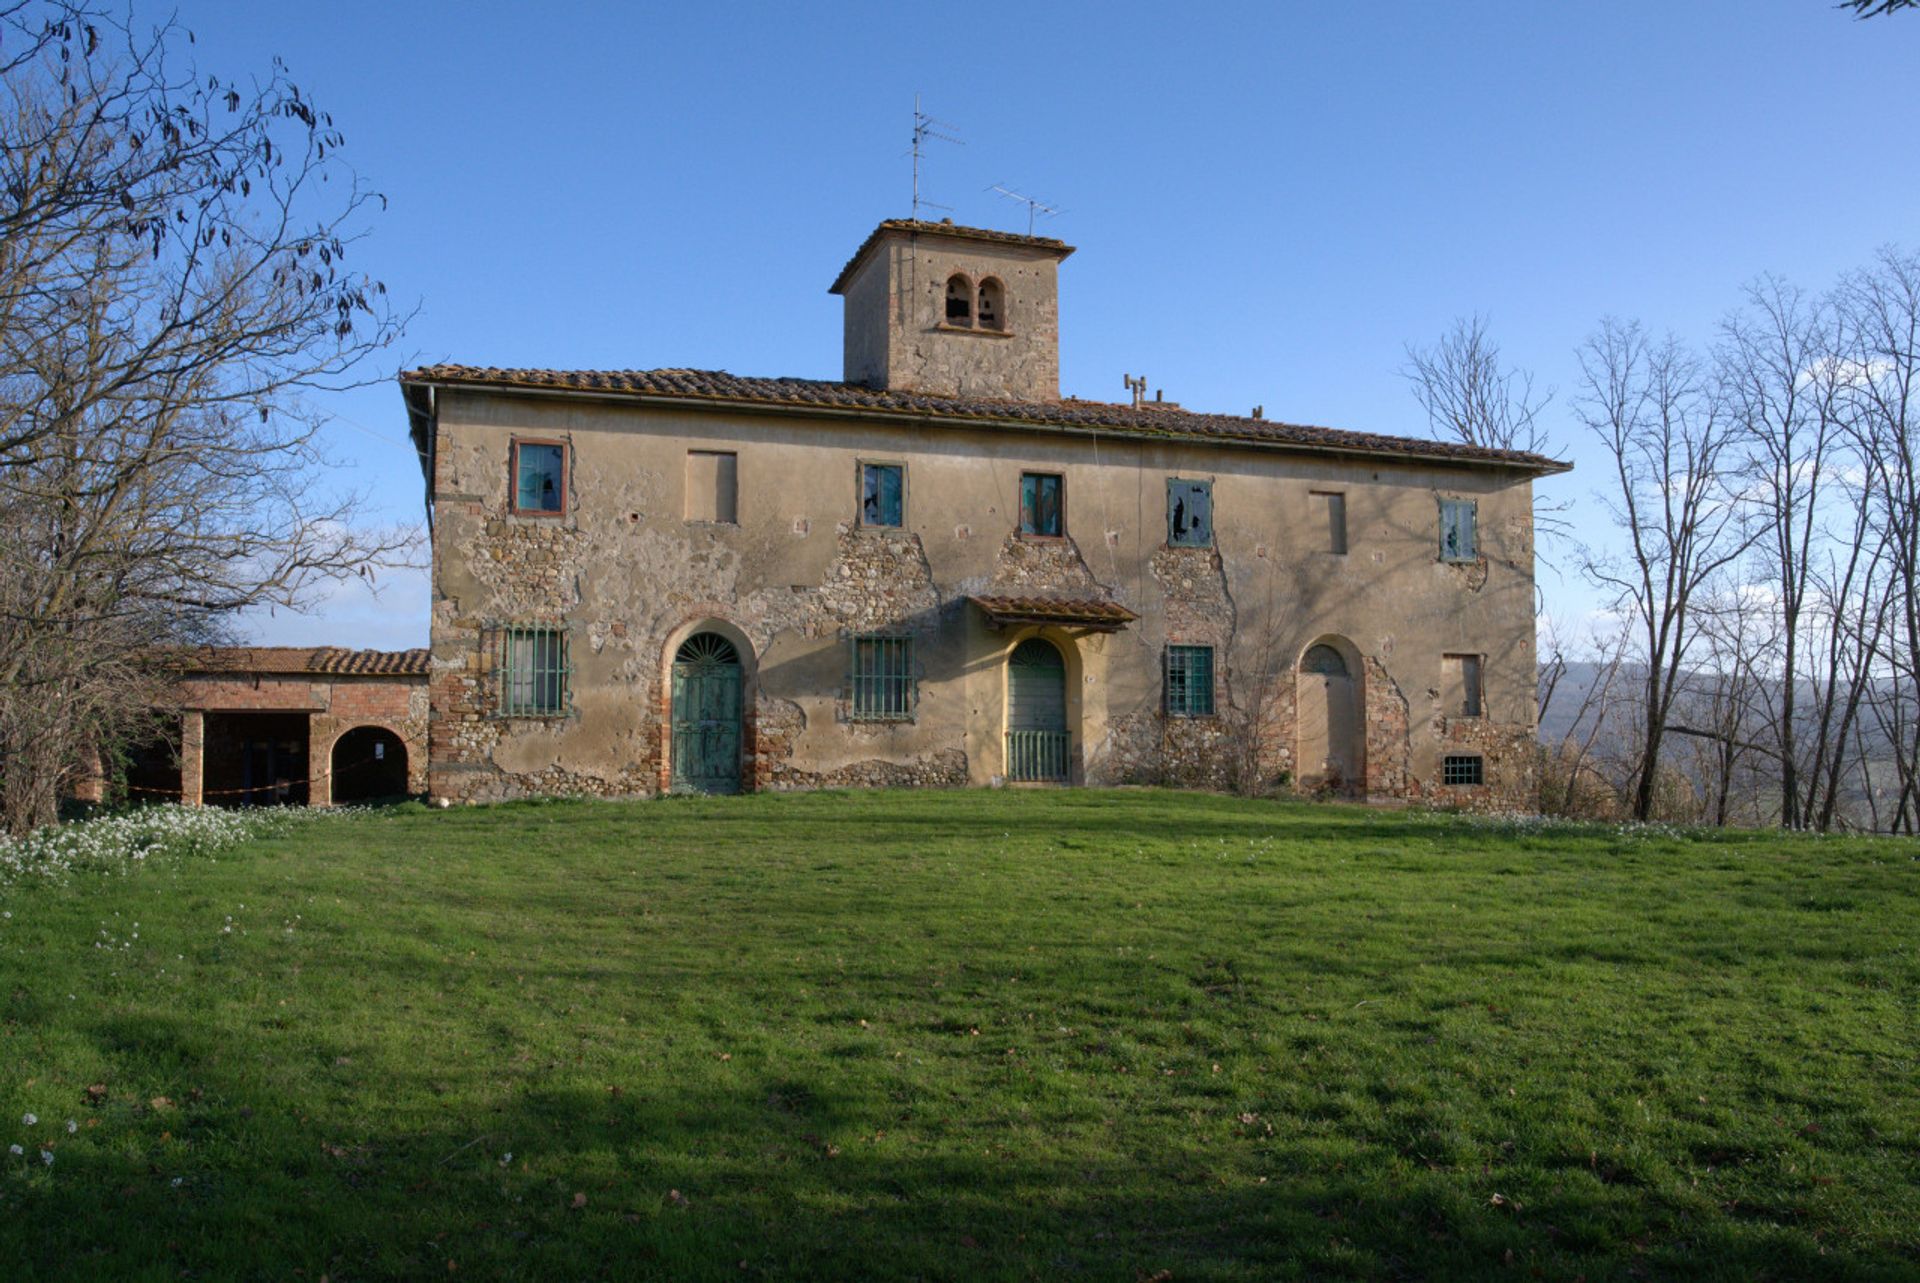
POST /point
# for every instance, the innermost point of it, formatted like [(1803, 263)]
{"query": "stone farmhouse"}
[(939, 571)]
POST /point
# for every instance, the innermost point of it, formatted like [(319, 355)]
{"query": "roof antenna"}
[(1033, 206), (925, 127), (1136, 386)]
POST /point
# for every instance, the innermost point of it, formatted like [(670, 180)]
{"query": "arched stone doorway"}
[(1332, 755), (1039, 744), (707, 715), (369, 762)]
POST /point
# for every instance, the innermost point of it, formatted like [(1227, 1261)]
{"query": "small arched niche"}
[(992, 313), (959, 300)]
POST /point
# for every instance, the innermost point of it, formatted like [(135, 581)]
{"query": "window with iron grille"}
[(1463, 769), (1190, 681), (1457, 530), (530, 665), (884, 689), (1189, 513)]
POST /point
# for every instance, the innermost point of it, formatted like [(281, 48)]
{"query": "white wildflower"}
[(29, 1119), (46, 1156), (72, 1127), (15, 1150)]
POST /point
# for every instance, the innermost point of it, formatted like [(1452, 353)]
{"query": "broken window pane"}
[(1189, 513), (880, 494), (1457, 530), (1040, 503), (538, 476)]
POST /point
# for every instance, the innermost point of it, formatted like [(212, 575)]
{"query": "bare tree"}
[(1471, 396), (172, 288), (1654, 409)]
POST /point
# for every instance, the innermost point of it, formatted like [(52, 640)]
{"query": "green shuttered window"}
[(881, 494), (1040, 504), (532, 672), (1190, 681), (1457, 530), (884, 689), (1189, 513)]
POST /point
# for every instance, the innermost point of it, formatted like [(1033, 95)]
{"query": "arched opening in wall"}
[(369, 762), (959, 300), (1039, 744), (993, 305), (707, 715), (1332, 746)]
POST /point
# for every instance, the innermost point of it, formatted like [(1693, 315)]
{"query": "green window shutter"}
[(882, 681), (880, 494), (1190, 681), (1457, 533), (1189, 513), (538, 474)]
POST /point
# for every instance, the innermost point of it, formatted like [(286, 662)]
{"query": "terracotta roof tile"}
[(294, 660), (1094, 613), (1070, 414)]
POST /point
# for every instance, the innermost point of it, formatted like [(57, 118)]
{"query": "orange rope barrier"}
[(258, 788)]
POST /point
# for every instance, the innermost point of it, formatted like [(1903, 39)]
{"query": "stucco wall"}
[(629, 578)]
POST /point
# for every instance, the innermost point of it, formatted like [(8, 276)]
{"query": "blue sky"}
[(1270, 201)]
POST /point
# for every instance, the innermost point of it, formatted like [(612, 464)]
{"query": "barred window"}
[(884, 689), (1457, 530), (1190, 681), (1463, 769), (531, 667)]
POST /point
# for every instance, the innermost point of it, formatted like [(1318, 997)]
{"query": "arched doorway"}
[(1328, 708), (1039, 748), (706, 715), (369, 762)]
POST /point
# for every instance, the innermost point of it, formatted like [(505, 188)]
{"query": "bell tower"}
[(954, 311)]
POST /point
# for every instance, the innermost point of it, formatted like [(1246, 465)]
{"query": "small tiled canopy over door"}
[(706, 716), (1037, 739)]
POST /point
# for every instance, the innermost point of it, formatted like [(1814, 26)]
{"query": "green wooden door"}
[(1038, 745), (706, 716)]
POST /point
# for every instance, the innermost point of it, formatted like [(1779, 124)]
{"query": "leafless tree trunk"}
[(171, 288), (1664, 427)]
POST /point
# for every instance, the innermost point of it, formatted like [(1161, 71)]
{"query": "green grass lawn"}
[(972, 1035)]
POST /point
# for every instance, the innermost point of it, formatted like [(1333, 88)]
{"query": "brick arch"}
[(718, 623), (320, 750)]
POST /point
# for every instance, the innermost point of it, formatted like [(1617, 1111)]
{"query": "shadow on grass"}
[(777, 1176)]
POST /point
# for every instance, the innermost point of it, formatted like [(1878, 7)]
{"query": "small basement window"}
[(959, 300), (712, 486), (1041, 504), (530, 664), (1457, 542), (881, 494), (1463, 770), (992, 314), (884, 689), (1189, 513), (1190, 681), (539, 481)]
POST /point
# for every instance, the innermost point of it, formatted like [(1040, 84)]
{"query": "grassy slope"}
[(977, 1035)]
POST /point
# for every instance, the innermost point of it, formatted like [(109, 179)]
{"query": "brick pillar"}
[(193, 741), (319, 760)]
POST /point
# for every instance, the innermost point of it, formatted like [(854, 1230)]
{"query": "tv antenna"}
[(925, 127), (1033, 206)]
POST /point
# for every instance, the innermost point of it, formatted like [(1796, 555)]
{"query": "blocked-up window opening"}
[(712, 485), (1457, 530), (539, 476), (1324, 660), (1190, 681), (1460, 685), (1330, 520), (883, 684), (531, 666), (881, 494), (959, 300), (992, 305), (1461, 769), (1189, 513), (1040, 503)]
